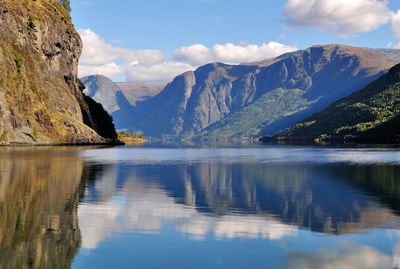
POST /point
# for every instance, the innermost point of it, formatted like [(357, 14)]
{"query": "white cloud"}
[(396, 26), (230, 53), (159, 72), (249, 53), (95, 50), (196, 54), (110, 70), (343, 16), (99, 57)]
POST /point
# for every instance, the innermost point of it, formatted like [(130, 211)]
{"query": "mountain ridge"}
[(200, 104)]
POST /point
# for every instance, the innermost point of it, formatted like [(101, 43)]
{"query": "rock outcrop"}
[(41, 99)]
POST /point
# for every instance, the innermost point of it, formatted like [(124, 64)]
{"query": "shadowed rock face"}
[(226, 101), (41, 99)]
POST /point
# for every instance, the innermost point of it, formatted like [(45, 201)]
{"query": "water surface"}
[(258, 207)]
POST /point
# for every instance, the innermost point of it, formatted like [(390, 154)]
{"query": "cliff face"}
[(41, 99), (249, 100)]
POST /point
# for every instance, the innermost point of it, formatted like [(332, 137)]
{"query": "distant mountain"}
[(249, 100), (102, 90), (369, 115), (114, 95), (140, 91)]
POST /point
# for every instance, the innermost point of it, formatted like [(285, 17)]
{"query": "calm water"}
[(260, 207)]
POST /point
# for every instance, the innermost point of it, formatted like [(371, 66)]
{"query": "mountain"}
[(41, 99), (102, 90), (248, 100), (116, 96), (368, 115), (140, 91)]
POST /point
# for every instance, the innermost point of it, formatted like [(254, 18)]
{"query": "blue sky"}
[(131, 27)]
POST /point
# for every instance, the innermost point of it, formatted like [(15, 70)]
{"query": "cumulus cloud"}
[(230, 53), (160, 72), (196, 54), (396, 26), (343, 16), (95, 50), (99, 57)]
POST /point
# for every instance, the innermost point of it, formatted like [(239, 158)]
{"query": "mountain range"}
[(221, 101)]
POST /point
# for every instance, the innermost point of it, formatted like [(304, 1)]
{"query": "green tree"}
[(66, 4)]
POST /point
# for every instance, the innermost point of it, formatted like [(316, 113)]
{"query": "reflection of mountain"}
[(320, 198), (306, 196), (144, 207), (39, 194)]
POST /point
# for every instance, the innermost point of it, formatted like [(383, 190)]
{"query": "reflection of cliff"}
[(319, 198), (39, 194)]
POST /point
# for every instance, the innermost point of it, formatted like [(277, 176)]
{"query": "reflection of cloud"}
[(345, 256), (396, 256), (96, 222), (149, 210), (252, 227)]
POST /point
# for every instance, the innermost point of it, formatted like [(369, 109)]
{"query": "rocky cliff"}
[(249, 100), (41, 99)]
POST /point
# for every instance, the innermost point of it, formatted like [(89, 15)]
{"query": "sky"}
[(155, 40)]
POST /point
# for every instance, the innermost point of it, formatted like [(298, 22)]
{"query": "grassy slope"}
[(368, 114), (250, 121)]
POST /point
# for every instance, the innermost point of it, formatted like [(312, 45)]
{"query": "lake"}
[(206, 207)]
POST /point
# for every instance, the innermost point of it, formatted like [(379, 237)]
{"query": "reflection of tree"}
[(383, 182), (316, 197), (39, 193)]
